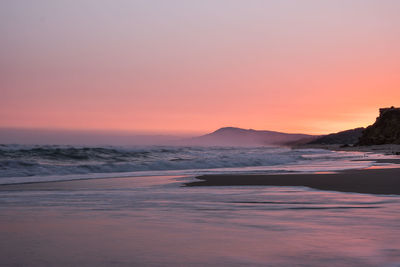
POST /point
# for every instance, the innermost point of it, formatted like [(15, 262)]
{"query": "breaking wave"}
[(28, 161)]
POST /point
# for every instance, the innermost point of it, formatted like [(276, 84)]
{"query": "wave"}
[(19, 160), (24, 161)]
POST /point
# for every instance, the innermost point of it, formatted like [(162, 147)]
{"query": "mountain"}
[(231, 136), (385, 130), (344, 137)]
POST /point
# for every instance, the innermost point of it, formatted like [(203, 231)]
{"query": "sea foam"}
[(35, 163)]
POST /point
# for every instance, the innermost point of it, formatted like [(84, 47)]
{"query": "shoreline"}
[(387, 149), (380, 176), (366, 181)]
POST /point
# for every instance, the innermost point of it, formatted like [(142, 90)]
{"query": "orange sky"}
[(174, 66)]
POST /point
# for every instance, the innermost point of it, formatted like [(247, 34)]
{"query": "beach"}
[(369, 181), (155, 221), (257, 220), (339, 216)]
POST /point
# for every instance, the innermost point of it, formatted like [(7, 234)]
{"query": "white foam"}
[(23, 164)]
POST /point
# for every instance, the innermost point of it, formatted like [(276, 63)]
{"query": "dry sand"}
[(371, 181)]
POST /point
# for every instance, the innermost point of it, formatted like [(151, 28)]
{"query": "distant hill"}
[(385, 130), (231, 136), (344, 137)]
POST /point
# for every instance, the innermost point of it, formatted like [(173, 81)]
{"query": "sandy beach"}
[(370, 181), (155, 221)]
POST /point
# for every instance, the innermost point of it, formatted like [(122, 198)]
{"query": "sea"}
[(128, 206), (38, 163)]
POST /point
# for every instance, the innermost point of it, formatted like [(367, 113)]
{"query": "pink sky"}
[(186, 66)]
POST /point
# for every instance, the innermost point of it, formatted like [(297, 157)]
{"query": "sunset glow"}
[(186, 66), (199, 133)]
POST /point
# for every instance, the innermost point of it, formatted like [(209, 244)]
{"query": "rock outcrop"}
[(386, 129)]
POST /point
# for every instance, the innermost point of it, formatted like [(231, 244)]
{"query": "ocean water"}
[(134, 218), (22, 163)]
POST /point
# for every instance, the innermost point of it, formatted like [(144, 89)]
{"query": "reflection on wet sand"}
[(154, 221)]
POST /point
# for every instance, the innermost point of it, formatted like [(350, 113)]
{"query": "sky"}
[(309, 66)]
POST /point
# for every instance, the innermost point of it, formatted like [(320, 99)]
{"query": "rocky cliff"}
[(386, 129)]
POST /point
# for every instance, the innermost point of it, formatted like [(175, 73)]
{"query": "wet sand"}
[(154, 221), (370, 181)]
